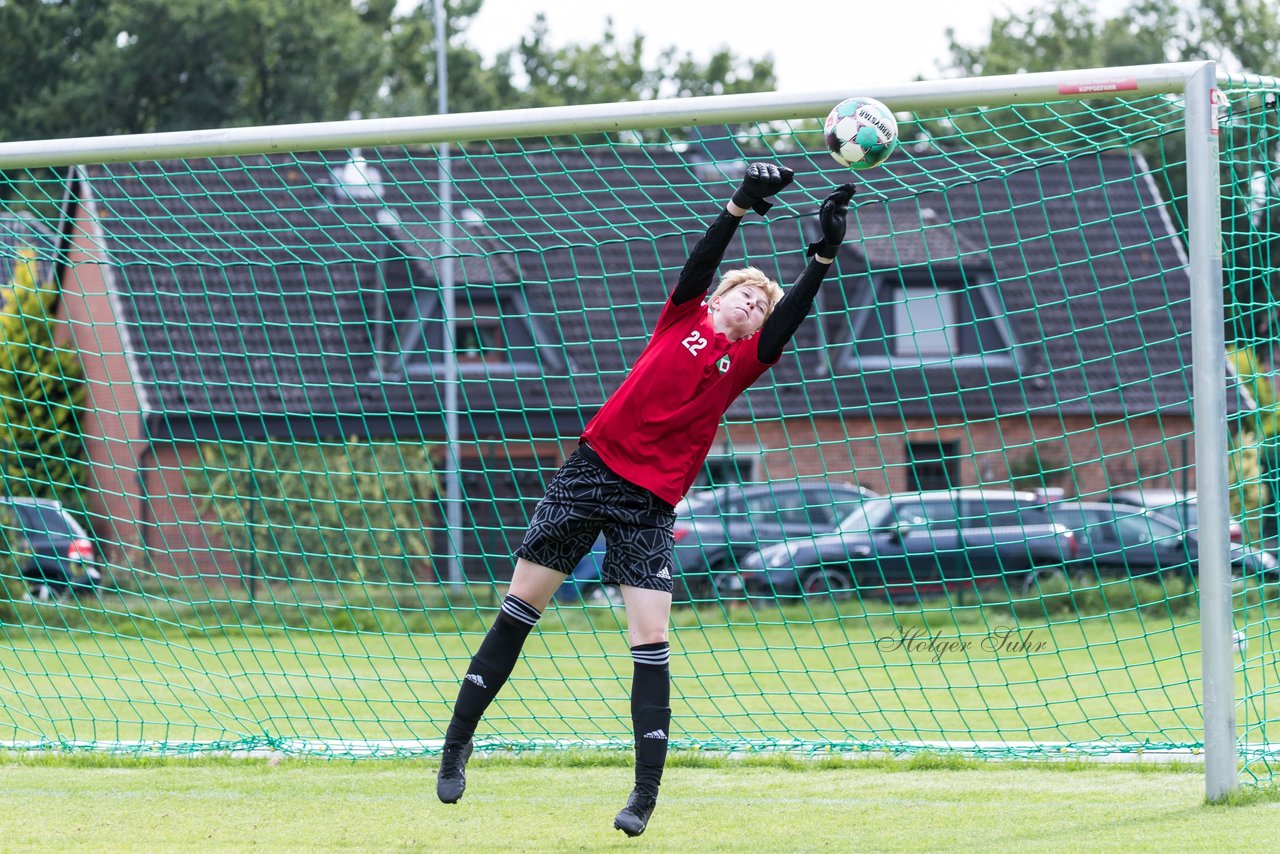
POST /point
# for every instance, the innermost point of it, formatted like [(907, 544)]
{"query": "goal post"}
[(299, 376), (1209, 367)]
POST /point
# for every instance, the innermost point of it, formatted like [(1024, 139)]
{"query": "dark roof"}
[(254, 289)]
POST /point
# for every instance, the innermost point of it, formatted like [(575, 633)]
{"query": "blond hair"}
[(754, 277)]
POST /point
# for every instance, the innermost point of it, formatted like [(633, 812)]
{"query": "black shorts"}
[(585, 498)]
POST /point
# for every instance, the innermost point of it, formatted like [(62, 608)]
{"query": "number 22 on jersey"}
[(694, 342)]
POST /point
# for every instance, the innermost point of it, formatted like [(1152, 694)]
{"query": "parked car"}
[(716, 527), (54, 554), (920, 543), (1180, 506), (1124, 540)]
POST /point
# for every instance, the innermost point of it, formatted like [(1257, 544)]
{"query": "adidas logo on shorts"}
[(664, 573), (657, 733), (476, 679)]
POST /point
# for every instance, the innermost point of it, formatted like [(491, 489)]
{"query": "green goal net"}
[(273, 424)]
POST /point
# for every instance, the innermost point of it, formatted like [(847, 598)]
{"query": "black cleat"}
[(451, 780), (634, 817)]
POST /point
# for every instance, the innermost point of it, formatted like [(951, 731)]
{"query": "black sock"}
[(490, 667), (651, 712)]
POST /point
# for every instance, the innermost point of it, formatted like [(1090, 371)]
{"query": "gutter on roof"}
[(66, 221)]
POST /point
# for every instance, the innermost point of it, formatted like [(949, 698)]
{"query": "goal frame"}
[(1194, 81)]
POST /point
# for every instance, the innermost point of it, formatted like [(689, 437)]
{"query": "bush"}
[(42, 397), (11, 589), (1050, 598), (1059, 598), (347, 510), (13, 548), (1117, 596)]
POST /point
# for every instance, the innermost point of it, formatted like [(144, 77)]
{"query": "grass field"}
[(818, 676), (567, 803), (806, 677)]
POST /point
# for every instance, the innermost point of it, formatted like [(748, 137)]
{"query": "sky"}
[(815, 45)]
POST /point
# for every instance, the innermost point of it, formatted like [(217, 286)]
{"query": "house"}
[(989, 317)]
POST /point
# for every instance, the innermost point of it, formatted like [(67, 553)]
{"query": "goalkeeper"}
[(636, 459)]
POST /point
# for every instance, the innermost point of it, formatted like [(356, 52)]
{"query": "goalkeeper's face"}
[(740, 312)]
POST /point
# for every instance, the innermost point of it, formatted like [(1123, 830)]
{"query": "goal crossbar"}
[(999, 90)]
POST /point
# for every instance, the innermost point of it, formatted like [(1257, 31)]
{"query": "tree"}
[(96, 67), (614, 70), (42, 393), (537, 73), (100, 67), (1244, 33), (410, 84), (178, 64), (1072, 35), (723, 74)]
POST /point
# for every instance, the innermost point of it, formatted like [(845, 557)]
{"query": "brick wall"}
[(1156, 452)]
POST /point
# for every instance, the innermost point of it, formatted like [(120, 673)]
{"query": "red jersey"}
[(657, 428)]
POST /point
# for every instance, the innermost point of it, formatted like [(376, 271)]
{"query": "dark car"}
[(920, 543), (54, 554), (1179, 506), (1121, 540), (716, 527)]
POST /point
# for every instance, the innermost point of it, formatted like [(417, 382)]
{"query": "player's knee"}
[(534, 583), (639, 635)]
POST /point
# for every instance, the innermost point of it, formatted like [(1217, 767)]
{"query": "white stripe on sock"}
[(652, 657), (518, 609)]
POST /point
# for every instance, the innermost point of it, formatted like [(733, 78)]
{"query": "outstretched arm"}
[(761, 181), (795, 306)]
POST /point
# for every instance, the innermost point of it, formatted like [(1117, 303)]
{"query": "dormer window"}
[(492, 331), (924, 324), (924, 317), (480, 335)]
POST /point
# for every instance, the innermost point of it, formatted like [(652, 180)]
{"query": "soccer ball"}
[(860, 133)]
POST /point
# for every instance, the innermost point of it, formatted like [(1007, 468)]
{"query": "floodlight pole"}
[(1209, 375), (448, 283)]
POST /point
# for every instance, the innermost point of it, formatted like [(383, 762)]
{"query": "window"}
[(781, 506), (932, 465), (1071, 518), (936, 515), (726, 471), (1000, 513), (480, 337), (492, 327), (1143, 531), (712, 504), (724, 505), (872, 514), (47, 519), (924, 323), (1134, 531), (923, 316), (821, 512)]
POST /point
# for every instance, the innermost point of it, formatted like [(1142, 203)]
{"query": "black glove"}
[(831, 218), (761, 181)]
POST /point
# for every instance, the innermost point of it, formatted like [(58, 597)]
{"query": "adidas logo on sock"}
[(476, 679), (657, 733), (663, 573)]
